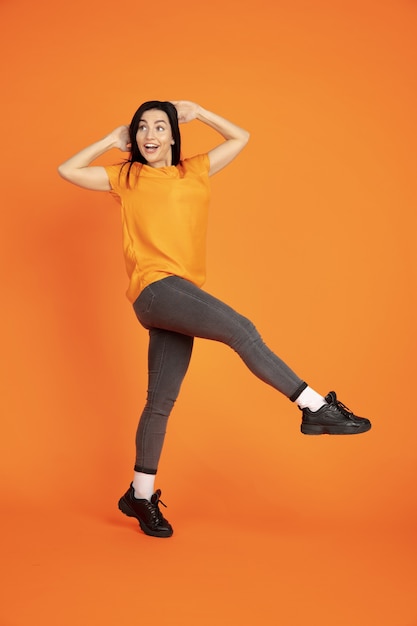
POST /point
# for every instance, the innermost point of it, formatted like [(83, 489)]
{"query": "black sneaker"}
[(150, 518), (334, 418)]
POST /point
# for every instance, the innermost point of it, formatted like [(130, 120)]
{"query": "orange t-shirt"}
[(164, 216)]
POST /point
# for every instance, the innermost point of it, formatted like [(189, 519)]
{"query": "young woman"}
[(164, 205)]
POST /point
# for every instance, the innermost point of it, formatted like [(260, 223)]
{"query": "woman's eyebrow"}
[(155, 122)]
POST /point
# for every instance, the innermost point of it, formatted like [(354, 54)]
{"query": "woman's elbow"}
[(64, 173), (246, 137), (61, 170)]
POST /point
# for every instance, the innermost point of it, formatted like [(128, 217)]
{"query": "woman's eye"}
[(160, 128)]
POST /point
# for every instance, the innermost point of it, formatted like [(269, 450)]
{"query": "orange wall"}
[(312, 235)]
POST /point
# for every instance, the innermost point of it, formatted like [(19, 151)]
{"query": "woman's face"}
[(154, 138)]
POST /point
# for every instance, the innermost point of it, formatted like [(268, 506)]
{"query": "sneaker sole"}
[(125, 508), (315, 429)]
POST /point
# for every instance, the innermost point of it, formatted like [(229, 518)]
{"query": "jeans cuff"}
[(298, 391), (144, 470)]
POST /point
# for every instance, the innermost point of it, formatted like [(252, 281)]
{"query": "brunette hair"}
[(171, 112)]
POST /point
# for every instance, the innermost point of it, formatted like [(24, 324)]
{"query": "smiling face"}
[(154, 138)]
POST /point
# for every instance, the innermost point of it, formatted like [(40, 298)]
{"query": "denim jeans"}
[(175, 311)]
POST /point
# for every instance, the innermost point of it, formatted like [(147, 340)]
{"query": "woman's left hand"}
[(187, 111), (236, 138)]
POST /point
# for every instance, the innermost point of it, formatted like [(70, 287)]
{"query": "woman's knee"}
[(245, 332)]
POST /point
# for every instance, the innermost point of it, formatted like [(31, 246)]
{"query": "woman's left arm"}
[(236, 137)]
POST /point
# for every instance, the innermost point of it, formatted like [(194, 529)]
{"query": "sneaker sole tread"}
[(319, 429)]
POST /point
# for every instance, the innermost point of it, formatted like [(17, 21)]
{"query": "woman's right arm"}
[(77, 169)]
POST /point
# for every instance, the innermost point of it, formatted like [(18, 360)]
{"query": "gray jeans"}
[(175, 311)]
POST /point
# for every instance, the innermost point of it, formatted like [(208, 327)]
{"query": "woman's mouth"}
[(150, 148)]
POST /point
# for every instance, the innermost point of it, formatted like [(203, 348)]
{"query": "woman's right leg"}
[(168, 359), (169, 355)]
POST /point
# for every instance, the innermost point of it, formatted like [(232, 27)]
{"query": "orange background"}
[(312, 236)]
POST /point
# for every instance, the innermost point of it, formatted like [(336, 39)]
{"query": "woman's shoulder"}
[(121, 174), (198, 164)]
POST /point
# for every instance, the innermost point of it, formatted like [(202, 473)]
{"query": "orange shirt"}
[(164, 218)]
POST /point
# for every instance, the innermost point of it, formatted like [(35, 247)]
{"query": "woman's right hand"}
[(120, 138), (78, 170)]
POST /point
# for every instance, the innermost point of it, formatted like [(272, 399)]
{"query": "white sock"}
[(143, 484), (310, 399)]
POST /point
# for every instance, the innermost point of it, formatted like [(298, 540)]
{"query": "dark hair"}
[(171, 112)]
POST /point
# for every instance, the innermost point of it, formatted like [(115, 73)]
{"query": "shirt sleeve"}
[(199, 164), (113, 172)]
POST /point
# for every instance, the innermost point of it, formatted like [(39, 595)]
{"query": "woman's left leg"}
[(176, 304)]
